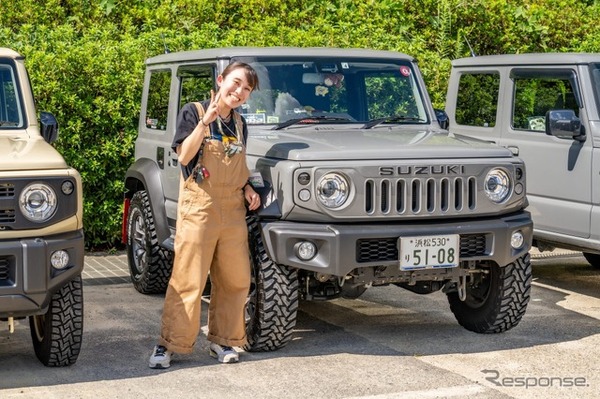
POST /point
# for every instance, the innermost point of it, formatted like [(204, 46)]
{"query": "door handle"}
[(173, 158), (160, 157)]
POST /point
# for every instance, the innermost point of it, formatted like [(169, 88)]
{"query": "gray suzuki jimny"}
[(360, 188), (545, 108), (41, 227)]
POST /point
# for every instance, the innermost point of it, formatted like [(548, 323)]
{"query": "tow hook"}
[(11, 325), (462, 287)]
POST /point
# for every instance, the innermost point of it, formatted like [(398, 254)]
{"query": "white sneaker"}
[(161, 358), (224, 354)]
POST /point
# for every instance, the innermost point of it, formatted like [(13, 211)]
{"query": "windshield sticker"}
[(405, 71), (254, 119)]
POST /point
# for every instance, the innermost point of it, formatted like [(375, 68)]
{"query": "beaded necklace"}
[(232, 145)]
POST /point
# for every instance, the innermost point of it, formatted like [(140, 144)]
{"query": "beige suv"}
[(41, 228)]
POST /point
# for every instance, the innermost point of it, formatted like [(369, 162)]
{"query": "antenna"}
[(162, 35), (470, 48)]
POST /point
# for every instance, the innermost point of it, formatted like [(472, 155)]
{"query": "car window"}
[(477, 100), (595, 72), (536, 93), (351, 91), (196, 83), (11, 114), (157, 107)]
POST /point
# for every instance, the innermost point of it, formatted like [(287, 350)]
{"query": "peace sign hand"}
[(212, 111)]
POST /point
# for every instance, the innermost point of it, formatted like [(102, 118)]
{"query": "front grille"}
[(7, 216), (472, 245), (386, 249), (420, 196), (377, 250), (7, 271), (7, 190)]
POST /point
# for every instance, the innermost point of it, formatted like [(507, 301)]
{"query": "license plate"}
[(429, 252)]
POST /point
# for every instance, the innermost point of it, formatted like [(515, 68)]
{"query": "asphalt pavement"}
[(389, 343)]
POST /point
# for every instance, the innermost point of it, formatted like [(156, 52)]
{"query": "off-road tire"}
[(57, 334), (499, 302), (273, 298), (150, 265), (593, 259)]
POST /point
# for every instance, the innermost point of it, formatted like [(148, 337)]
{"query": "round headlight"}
[(497, 185), (333, 190), (38, 202)]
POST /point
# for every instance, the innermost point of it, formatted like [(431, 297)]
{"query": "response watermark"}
[(527, 382)]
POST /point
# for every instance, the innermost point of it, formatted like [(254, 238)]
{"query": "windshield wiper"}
[(310, 119), (393, 118)]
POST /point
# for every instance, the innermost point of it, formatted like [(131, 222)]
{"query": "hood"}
[(322, 143), (24, 152)]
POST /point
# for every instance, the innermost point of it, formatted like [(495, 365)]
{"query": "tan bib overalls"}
[(211, 236)]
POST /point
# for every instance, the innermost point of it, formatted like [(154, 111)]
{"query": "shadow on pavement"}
[(121, 327)]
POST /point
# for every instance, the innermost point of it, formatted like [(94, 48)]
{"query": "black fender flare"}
[(144, 174)]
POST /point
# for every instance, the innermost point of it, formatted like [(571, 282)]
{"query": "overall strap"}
[(198, 167), (239, 125)]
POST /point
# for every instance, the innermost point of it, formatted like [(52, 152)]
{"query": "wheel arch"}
[(144, 174)]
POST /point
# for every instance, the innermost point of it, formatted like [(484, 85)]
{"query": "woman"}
[(211, 228)]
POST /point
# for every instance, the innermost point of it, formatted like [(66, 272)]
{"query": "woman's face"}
[(234, 88)]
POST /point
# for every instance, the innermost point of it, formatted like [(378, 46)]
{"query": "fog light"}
[(517, 240), (59, 259), (305, 250)]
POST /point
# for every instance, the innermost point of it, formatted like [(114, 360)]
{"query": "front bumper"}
[(27, 280), (341, 246)]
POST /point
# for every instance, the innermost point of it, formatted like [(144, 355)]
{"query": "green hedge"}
[(86, 61)]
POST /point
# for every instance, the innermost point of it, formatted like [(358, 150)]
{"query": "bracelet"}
[(202, 121), (247, 184)]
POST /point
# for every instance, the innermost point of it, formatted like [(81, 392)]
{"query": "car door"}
[(507, 105), (192, 82), (559, 177)]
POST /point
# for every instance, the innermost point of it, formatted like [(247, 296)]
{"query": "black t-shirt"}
[(187, 120)]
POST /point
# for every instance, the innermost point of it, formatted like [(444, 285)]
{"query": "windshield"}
[(334, 91), (11, 115)]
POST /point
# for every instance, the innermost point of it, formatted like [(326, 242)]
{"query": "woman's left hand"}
[(252, 197)]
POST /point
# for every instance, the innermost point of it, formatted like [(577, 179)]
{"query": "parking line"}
[(579, 303), (445, 392)]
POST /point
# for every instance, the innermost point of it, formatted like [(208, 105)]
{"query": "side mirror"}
[(564, 124), (49, 126), (442, 118)]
